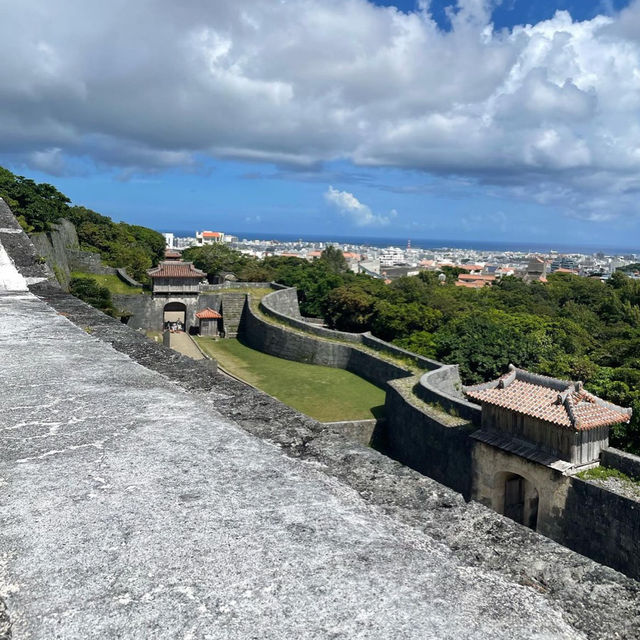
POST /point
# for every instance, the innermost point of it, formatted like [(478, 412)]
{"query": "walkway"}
[(131, 509), (182, 343)]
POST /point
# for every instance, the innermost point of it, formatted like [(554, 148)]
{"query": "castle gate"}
[(175, 313)]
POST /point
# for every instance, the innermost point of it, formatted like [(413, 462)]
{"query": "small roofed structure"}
[(559, 417), (172, 254), (475, 280), (172, 277), (537, 269), (209, 322)]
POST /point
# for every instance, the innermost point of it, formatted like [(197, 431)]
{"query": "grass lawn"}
[(111, 281), (326, 394)]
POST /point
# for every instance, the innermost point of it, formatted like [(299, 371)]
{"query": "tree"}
[(349, 309), (92, 293), (216, 258), (334, 260)]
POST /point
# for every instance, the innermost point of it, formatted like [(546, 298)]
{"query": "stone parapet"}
[(622, 461)]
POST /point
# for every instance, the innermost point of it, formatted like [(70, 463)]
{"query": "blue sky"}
[(347, 118)]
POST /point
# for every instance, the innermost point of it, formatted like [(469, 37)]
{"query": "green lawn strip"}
[(324, 393), (110, 281)]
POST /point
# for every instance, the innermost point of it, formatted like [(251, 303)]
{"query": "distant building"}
[(176, 278), (564, 264), (209, 237), (169, 240), (172, 254), (369, 267), (536, 270), (472, 268), (475, 280), (393, 273), (391, 256)]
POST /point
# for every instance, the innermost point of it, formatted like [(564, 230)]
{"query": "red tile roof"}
[(557, 401), (208, 314), (211, 234), (173, 269)]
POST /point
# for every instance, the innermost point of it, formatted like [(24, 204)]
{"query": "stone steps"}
[(231, 309)]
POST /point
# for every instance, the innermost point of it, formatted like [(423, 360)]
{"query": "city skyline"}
[(500, 122)]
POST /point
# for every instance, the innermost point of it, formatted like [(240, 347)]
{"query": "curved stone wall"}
[(283, 306), (280, 341), (443, 387)]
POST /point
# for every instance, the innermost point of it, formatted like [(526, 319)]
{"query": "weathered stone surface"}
[(613, 524), (54, 245)]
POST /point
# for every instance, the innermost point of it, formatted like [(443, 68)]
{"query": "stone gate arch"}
[(516, 497), (174, 313)]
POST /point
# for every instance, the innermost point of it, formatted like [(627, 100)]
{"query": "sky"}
[(459, 120)]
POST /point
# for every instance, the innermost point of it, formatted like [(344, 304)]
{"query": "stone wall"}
[(282, 305), (602, 525), (443, 387), (234, 285), (280, 341), (490, 468), (421, 439), (357, 430), (622, 461), (147, 311), (87, 261), (54, 246), (126, 278), (231, 309)]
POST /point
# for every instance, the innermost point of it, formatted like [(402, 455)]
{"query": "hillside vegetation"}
[(39, 206), (571, 327)]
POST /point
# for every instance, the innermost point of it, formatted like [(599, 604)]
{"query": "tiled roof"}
[(208, 314), (476, 276), (558, 401), (172, 269), (211, 234)]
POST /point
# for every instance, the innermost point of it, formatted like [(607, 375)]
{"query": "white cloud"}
[(551, 108), (359, 213)]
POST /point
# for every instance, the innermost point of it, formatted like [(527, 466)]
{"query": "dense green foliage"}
[(92, 293), (571, 327), (38, 206)]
